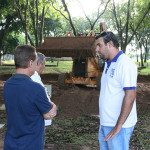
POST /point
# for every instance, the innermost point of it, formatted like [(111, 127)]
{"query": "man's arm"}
[(125, 111), (52, 113)]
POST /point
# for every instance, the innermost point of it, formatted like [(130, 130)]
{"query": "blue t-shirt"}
[(25, 102)]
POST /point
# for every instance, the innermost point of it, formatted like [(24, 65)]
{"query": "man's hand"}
[(125, 111), (52, 113), (113, 132)]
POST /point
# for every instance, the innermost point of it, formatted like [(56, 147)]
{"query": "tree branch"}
[(127, 23), (146, 12), (70, 20), (60, 12), (114, 11), (98, 15)]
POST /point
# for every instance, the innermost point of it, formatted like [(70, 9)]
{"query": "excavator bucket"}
[(68, 47)]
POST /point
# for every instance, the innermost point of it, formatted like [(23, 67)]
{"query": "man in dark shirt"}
[(26, 104)]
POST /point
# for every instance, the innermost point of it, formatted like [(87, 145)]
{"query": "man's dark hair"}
[(23, 54), (108, 36)]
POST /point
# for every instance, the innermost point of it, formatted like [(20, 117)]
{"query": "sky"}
[(89, 7)]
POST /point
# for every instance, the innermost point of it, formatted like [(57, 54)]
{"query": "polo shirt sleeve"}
[(41, 101), (128, 75)]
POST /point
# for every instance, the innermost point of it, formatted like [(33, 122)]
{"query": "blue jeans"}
[(119, 142)]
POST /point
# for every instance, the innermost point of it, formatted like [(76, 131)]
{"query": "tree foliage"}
[(97, 15), (122, 16), (35, 19), (143, 32), (9, 24)]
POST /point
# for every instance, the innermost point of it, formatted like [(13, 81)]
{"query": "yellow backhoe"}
[(87, 68)]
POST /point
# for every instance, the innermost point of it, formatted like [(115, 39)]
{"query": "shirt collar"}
[(115, 58), (20, 76), (36, 73)]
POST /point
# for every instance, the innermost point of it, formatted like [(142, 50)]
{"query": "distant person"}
[(36, 77), (117, 104), (26, 104)]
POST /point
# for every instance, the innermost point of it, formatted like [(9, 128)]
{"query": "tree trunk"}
[(142, 64), (141, 55), (0, 59), (36, 25), (26, 32), (22, 20), (145, 57), (42, 26), (70, 20), (137, 57), (123, 47), (146, 50)]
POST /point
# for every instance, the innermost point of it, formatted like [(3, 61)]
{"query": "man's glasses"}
[(107, 34), (103, 34)]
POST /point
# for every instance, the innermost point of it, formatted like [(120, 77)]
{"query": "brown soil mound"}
[(77, 100)]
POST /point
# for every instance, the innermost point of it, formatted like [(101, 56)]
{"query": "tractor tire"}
[(61, 81), (98, 82)]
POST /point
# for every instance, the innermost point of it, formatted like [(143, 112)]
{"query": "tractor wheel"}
[(98, 82), (61, 80)]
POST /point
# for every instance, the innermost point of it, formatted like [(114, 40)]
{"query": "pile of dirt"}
[(143, 96), (143, 78), (77, 100)]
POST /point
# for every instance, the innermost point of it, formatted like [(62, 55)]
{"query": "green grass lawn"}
[(10, 62), (145, 71), (63, 66), (51, 67), (58, 67)]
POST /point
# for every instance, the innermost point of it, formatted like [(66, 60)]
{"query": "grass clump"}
[(141, 134)]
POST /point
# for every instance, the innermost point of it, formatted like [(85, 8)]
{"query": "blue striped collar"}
[(115, 58)]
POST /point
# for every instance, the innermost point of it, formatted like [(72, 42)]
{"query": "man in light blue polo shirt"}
[(117, 101)]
